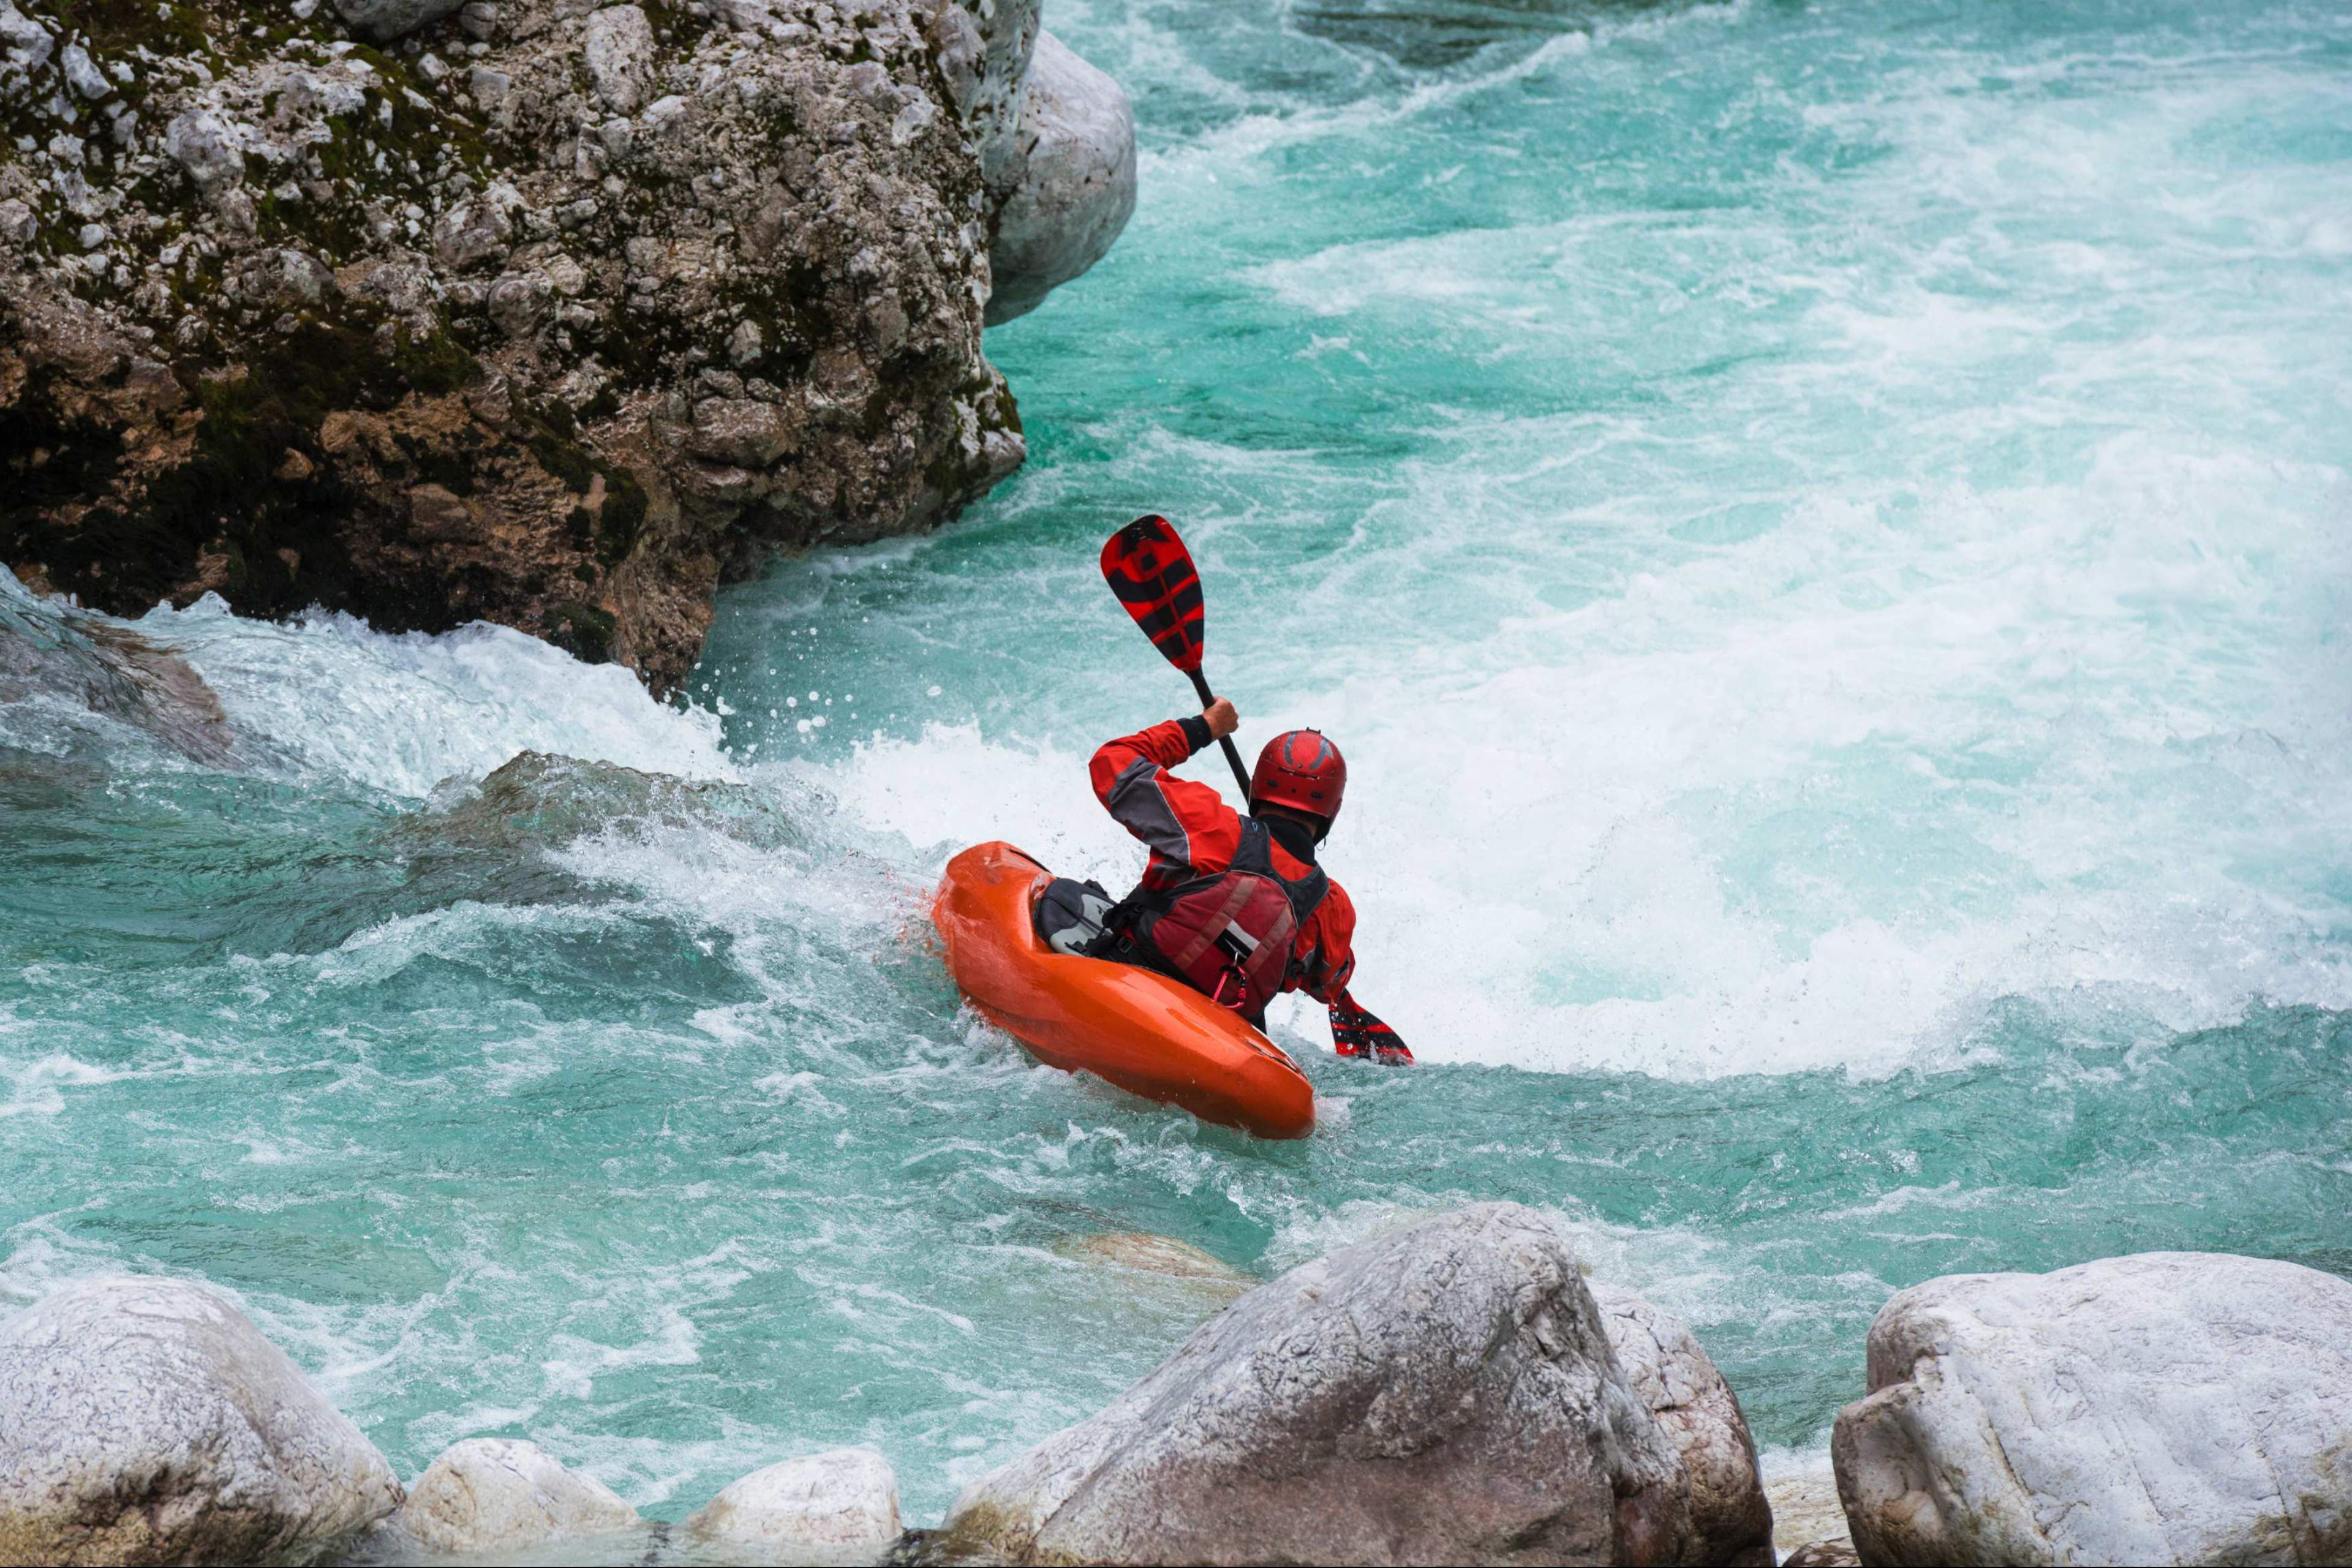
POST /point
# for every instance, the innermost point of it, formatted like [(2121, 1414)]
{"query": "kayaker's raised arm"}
[(1185, 821)]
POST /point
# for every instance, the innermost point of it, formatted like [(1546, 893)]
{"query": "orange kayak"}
[(1149, 1035)]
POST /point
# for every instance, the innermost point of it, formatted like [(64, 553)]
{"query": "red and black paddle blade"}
[(1153, 573)]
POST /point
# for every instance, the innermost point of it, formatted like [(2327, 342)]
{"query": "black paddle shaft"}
[(1241, 775)]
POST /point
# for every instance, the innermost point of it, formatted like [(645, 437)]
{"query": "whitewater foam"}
[(404, 712)]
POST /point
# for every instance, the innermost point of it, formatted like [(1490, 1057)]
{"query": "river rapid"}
[(1822, 529)]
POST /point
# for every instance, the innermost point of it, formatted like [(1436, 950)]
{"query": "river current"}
[(1822, 529)]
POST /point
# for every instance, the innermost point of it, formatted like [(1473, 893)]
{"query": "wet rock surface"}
[(2164, 1408), (538, 313), (1730, 1519), (146, 1420), (498, 1494), (1445, 1394), (844, 1500), (53, 653)]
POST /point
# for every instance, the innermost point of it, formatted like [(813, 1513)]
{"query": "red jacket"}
[(1191, 832)]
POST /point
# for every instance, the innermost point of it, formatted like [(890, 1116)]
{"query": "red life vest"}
[(1230, 933)]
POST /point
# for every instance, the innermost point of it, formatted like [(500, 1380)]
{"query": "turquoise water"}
[(1823, 532)]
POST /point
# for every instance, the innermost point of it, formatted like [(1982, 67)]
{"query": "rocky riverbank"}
[(1455, 1391), (529, 311)]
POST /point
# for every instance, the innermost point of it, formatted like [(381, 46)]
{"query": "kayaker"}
[(1234, 906)]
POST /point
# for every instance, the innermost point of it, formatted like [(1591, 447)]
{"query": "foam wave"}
[(402, 713)]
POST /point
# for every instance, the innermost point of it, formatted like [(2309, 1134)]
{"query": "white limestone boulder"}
[(834, 1501), (619, 51), (1445, 1394), (500, 1494), (2165, 1407), (1700, 1415), (1076, 185), (146, 1420)]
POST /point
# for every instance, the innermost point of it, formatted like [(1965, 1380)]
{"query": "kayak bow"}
[(1147, 1033)]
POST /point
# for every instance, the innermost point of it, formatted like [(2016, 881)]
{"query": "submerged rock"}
[(1445, 1394), (1151, 1254), (1730, 1518), (847, 1498), (2165, 1407), (48, 650), (557, 316), (498, 1494), (145, 1420)]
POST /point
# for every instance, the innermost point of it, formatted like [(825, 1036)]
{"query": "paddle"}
[(1148, 568)]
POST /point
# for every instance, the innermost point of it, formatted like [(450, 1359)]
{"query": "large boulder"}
[(1076, 186), (1055, 139), (559, 315), (2167, 1408), (1700, 1415), (499, 1494), (1446, 1393), (846, 1499), (145, 1420)]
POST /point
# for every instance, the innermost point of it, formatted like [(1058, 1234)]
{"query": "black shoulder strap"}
[(1256, 855)]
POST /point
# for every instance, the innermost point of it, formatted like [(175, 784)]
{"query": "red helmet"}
[(1302, 770)]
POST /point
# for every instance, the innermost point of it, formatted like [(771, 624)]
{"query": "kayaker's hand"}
[(1222, 719)]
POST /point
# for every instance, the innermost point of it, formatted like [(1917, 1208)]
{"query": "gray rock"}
[(471, 234), (202, 145), (49, 650), (384, 20), (1443, 1395), (145, 1420), (520, 300), (28, 43), (1075, 189), (2165, 1407), (499, 1494), (620, 55), (1700, 1413), (488, 88), (982, 48), (739, 430), (83, 73), (809, 209), (847, 1498)]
